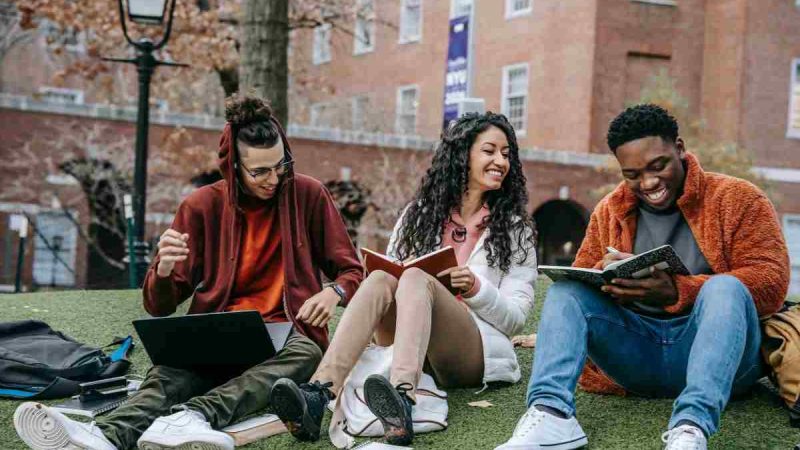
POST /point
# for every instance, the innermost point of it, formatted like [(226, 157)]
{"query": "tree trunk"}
[(229, 79), (264, 66)]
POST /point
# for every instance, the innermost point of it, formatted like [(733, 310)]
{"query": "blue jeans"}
[(701, 358)]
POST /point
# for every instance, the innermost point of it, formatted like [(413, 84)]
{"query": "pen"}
[(612, 250)]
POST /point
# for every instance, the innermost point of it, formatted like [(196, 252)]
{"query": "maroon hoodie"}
[(313, 236)]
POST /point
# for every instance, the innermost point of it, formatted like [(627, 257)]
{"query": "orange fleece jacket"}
[(735, 226)]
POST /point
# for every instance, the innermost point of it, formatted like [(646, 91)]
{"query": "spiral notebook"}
[(99, 397)]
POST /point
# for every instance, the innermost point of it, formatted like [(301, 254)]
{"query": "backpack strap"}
[(123, 351), (120, 364), (58, 388)]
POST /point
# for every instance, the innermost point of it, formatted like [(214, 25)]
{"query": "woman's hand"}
[(461, 278)]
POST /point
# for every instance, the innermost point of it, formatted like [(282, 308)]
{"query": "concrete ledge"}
[(658, 2), (335, 135)]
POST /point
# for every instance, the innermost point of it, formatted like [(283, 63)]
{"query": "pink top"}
[(474, 230)]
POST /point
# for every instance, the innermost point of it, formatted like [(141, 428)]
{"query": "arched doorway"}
[(561, 225)]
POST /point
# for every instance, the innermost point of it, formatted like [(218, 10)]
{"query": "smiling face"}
[(257, 160), (488, 160), (653, 169)]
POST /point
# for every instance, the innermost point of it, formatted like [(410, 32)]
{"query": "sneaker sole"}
[(192, 445), (289, 405), (385, 402), (578, 443), (571, 445), (40, 430)]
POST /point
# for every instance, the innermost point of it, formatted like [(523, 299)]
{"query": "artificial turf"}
[(95, 317)]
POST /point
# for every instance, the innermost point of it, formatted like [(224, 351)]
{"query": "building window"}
[(360, 108), (460, 8), (364, 34), (791, 232), (793, 129), (658, 2), (410, 21), (61, 96), (322, 44), (407, 101), (322, 115), (516, 8), (67, 38), (515, 96), (54, 250)]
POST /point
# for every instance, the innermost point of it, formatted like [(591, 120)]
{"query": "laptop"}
[(216, 341)]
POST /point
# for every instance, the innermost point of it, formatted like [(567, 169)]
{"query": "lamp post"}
[(149, 12)]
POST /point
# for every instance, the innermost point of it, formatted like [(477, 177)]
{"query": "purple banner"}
[(457, 71)]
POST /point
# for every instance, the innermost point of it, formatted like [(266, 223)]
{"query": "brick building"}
[(560, 69)]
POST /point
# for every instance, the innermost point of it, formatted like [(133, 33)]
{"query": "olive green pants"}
[(223, 400)]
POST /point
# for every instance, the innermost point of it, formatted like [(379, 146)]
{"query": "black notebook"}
[(637, 266), (98, 397)]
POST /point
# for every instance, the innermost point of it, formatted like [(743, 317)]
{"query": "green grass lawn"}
[(612, 423)]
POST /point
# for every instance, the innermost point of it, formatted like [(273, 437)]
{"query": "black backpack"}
[(37, 362)]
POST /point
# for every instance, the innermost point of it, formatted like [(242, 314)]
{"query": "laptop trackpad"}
[(279, 334)]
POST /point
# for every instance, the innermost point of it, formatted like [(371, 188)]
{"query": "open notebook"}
[(637, 266)]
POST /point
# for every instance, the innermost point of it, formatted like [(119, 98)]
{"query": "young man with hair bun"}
[(256, 240)]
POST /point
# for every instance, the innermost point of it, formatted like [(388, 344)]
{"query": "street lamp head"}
[(148, 12)]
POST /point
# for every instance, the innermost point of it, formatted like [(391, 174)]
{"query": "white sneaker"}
[(685, 437), (538, 430), (44, 428), (184, 429)]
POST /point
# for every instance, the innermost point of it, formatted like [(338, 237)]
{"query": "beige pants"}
[(421, 318)]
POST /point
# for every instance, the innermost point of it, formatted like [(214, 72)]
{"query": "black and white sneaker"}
[(392, 406), (301, 408), (539, 430)]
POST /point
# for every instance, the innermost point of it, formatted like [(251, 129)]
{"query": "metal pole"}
[(20, 264), (145, 65), (130, 231)]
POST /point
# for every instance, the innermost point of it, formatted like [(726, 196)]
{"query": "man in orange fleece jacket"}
[(695, 337)]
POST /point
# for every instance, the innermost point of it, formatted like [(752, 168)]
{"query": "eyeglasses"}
[(263, 173)]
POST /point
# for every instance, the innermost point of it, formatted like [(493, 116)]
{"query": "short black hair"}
[(641, 121), (252, 120)]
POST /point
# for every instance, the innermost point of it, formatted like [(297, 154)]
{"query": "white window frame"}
[(453, 7), (317, 112), (504, 95), (45, 264), (355, 109), (399, 110), (785, 223), (511, 13), (794, 83), (321, 51), (78, 95), (404, 17), (658, 2), (60, 38), (359, 46)]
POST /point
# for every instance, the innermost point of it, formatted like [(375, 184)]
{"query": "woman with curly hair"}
[(472, 198)]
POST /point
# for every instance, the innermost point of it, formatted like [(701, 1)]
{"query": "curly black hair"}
[(641, 121), (252, 120), (444, 185)]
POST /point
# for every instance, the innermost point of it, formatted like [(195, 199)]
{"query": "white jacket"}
[(500, 307)]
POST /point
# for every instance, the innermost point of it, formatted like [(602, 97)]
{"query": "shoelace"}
[(675, 436), (403, 389), (323, 388), (528, 422)]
